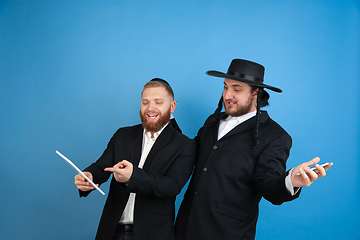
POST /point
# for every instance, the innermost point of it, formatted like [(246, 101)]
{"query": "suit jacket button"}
[(205, 169), (196, 193), (214, 147)]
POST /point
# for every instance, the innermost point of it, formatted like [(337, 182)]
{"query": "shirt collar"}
[(156, 134)]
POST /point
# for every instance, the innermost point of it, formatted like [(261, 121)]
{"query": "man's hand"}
[(308, 176), (82, 184), (122, 171)]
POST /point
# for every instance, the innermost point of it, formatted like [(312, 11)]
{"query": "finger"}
[(109, 169), (125, 162), (85, 188), (328, 166), (128, 165), (121, 164), (113, 170), (82, 183), (82, 178), (79, 180), (306, 179), (118, 165), (313, 161), (311, 174), (320, 171)]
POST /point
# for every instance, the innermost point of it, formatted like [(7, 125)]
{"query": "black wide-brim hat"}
[(245, 71)]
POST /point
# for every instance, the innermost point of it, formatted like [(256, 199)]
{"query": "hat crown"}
[(245, 71), (244, 68)]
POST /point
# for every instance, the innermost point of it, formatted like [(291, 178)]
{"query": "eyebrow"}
[(155, 99), (234, 85)]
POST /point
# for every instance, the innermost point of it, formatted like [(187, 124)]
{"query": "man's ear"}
[(255, 93), (173, 106)]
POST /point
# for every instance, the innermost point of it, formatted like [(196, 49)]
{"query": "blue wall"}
[(71, 73)]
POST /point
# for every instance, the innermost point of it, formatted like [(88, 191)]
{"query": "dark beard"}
[(158, 125), (241, 111)]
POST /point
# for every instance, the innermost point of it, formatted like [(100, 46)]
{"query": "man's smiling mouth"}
[(152, 116)]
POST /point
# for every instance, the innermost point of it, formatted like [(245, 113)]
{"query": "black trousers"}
[(124, 232)]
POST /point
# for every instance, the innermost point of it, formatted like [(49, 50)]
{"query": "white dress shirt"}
[(148, 141), (230, 122)]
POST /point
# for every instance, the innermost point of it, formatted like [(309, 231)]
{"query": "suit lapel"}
[(248, 124), (138, 147), (215, 129), (160, 141)]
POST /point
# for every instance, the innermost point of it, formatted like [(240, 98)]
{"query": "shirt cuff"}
[(289, 185)]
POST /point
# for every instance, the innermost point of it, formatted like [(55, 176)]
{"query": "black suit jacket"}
[(231, 177), (166, 170)]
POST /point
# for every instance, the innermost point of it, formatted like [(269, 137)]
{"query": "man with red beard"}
[(241, 157), (150, 163)]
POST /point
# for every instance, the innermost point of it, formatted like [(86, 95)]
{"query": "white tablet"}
[(78, 170)]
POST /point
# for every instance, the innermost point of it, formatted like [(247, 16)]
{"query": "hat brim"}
[(224, 75)]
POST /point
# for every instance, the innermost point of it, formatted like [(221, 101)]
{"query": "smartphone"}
[(313, 168)]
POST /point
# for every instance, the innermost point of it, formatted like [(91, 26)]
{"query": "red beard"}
[(155, 126)]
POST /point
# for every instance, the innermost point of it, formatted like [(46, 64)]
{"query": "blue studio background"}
[(71, 73)]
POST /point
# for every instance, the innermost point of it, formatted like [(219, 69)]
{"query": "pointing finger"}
[(109, 169)]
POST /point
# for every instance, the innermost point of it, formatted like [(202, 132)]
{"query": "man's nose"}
[(152, 106), (227, 95)]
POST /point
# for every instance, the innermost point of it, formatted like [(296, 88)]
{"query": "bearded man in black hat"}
[(150, 163), (241, 157)]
